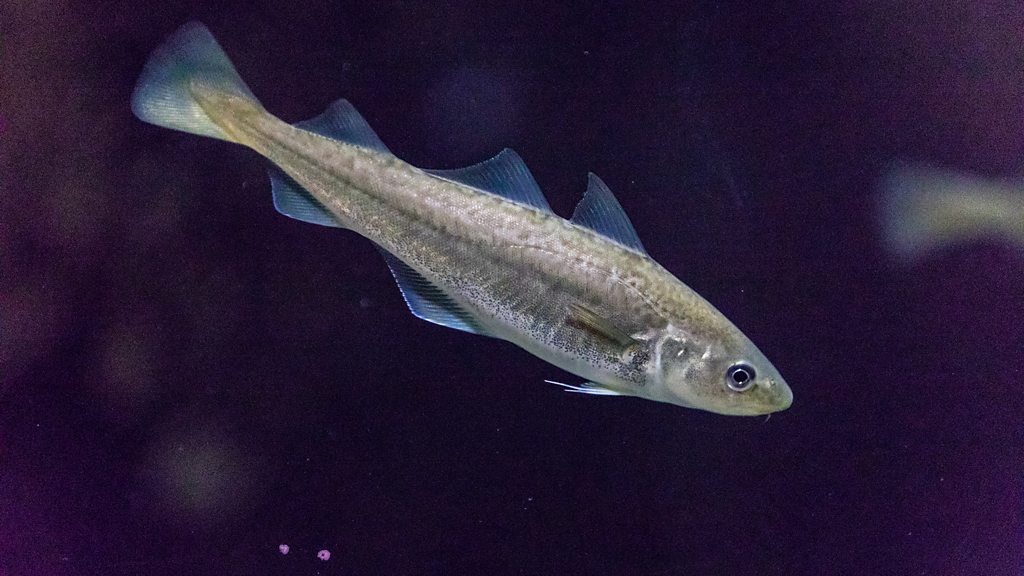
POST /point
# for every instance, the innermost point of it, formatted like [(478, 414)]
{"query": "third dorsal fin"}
[(342, 122), (602, 213), (505, 175)]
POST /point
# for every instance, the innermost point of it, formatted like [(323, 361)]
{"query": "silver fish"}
[(925, 209), (479, 249)]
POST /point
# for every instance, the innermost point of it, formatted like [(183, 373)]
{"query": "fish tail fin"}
[(907, 224), (186, 81)]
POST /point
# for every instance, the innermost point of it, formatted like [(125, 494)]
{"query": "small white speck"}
[(324, 555), (283, 548)]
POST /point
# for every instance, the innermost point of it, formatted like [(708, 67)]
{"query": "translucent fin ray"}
[(587, 388), (427, 301), (505, 175), (602, 213), (342, 122), (189, 58)]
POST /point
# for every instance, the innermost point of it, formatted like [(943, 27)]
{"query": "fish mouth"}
[(774, 396)]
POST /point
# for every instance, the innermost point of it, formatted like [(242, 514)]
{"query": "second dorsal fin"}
[(602, 213), (505, 175), (342, 122)]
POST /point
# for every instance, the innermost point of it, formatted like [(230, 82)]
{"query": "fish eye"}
[(740, 376)]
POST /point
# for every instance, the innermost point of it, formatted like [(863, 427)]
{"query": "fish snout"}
[(778, 394)]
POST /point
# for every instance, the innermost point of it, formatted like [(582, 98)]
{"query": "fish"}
[(479, 249), (924, 209)]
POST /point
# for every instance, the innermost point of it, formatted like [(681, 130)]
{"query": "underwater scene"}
[(361, 288)]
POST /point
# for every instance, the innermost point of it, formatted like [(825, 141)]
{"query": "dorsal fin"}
[(427, 301), (505, 175), (602, 213), (342, 122), (294, 201)]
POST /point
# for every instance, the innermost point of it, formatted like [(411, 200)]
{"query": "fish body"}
[(479, 249), (925, 209)]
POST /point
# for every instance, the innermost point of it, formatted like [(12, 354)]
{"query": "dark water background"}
[(190, 380)]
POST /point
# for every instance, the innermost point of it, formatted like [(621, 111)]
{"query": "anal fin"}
[(294, 201), (428, 301)]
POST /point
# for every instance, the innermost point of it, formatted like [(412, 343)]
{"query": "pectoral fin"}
[(586, 319)]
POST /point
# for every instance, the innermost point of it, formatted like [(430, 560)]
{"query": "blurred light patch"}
[(77, 213), (925, 209), (34, 320), (475, 110), (167, 194), (123, 376), (196, 474)]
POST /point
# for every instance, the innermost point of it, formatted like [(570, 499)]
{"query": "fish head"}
[(727, 376)]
